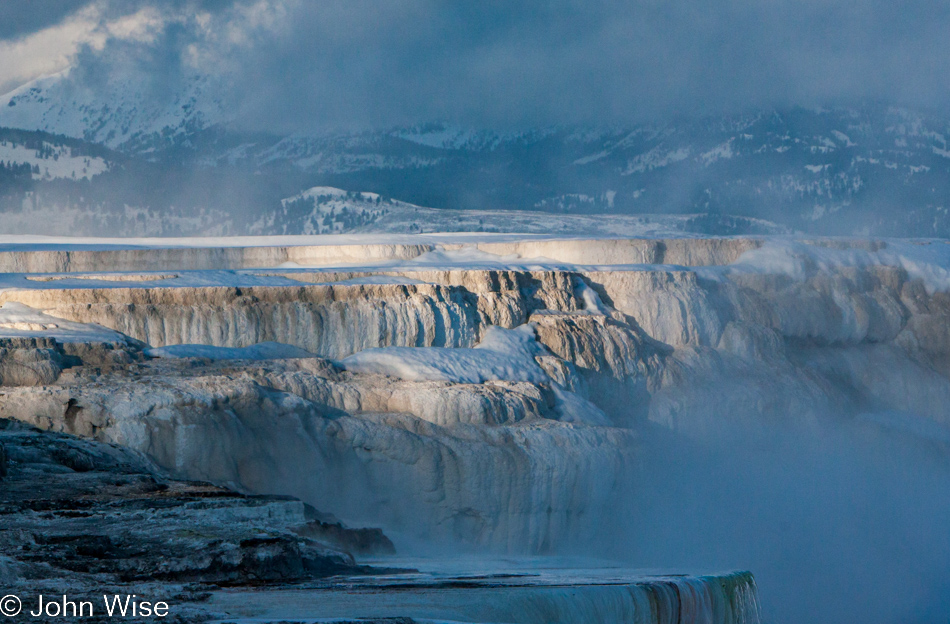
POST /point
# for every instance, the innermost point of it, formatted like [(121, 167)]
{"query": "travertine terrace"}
[(477, 391)]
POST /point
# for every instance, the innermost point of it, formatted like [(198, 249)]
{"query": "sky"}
[(290, 65)]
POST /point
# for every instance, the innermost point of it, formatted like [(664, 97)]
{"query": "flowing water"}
[(524, 590)]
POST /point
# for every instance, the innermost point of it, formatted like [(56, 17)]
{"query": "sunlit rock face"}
[(499, 405), (331, 320), (489, 464)]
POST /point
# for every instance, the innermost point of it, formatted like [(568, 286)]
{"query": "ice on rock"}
[(592, 301), (21, 321), (472, 398), (510, 355), (502, 355)]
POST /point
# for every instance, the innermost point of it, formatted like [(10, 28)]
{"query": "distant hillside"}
[(327, 210), (868, 170)]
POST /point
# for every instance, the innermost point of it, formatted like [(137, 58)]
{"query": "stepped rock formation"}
[(415, 416)]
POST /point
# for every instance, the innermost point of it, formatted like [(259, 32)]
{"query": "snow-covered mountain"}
[(867, 170), (328, 210), (131, 115), (842, 171)]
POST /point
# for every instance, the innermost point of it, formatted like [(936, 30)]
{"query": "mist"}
[(843, 522), (293, 66), (353, 117), (489, 106)]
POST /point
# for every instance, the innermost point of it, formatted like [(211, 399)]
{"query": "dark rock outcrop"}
[(85, 512)]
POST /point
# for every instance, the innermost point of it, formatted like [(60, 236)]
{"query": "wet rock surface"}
[(85, 518), (645, 335)]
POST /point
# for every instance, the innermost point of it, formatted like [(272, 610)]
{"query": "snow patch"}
[(121, 113), (502, 355), (586, 160), (844, 138), (656, 158), (928, 261), (381, 279), (723, 151), (20, 321), (592, 301), (329, 191), (52, 161)]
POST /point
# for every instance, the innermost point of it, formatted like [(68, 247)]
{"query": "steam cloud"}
[(843, 523), (306, 66)]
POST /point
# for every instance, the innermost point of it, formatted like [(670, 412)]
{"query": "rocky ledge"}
[(82, 517)]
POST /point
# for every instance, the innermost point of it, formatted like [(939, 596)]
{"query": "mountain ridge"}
[(843, 171)]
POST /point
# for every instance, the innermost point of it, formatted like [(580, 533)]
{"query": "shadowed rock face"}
[(513, 464), (486, 463), (85, 512), (30, 361), (40, 361)]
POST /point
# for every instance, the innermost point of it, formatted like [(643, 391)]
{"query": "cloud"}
[(90, 27), (45, 51), (23, 18), (313, 65), (533, 63)]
